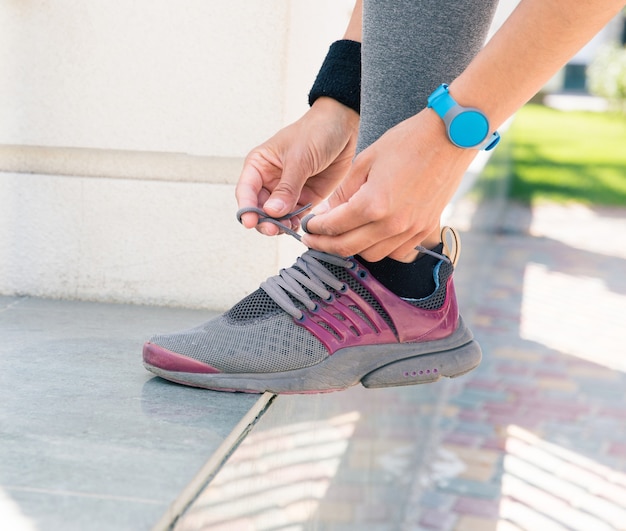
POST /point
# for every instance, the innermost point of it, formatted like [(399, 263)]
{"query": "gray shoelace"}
[(264, 218), (308, 271)]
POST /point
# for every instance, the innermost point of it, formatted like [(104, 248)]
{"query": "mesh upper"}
[(255, 306), (438, 297), (264, 345), (256, 335)]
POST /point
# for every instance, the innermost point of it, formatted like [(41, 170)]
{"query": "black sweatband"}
[(340, 75)]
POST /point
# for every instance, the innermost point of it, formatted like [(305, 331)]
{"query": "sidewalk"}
[(535, 438)]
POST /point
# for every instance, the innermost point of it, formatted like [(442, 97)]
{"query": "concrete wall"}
[(122, 131)]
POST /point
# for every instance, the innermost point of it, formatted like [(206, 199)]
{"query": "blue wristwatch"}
[(467, 127)]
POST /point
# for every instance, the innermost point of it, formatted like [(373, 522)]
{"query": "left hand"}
[(301, 164), (392, 198)]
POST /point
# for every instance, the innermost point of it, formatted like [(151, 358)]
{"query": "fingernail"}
[(277, 205), (322, 208)]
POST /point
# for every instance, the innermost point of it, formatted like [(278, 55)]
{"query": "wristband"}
[(340, 75)]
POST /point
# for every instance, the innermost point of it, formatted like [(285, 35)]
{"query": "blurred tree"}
[(606, 75)]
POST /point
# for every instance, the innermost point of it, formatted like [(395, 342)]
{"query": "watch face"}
[(468, 128)]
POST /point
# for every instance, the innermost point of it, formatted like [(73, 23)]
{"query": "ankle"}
[(412, 280)]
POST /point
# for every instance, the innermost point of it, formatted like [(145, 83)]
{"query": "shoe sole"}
[(374, 366)]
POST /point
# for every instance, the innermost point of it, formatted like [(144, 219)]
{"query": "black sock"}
[(410, 281)]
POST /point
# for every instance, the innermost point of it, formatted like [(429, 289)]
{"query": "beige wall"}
[(122, 131), (197, 76)]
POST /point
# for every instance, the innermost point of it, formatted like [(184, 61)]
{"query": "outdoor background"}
[(123, 127)]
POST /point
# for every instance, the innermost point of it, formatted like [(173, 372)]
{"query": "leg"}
[(409, 48)]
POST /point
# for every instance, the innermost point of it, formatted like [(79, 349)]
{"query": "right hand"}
[(301, 164)]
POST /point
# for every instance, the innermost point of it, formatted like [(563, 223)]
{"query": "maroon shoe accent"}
[(156, 356), (413, 323), (336, 324)]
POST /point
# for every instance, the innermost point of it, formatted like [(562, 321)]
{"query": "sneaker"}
[(324, 324)]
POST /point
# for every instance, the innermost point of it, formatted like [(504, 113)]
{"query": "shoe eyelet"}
[(344, 288), (362, 273), (352, 266)]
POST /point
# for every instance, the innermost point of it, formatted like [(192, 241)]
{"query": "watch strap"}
[(441, 101), (490, 142)]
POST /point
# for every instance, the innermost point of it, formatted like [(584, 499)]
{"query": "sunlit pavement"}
[(535, 438)]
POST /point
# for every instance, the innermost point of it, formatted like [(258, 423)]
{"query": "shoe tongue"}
[(255, 306), (259, 305)]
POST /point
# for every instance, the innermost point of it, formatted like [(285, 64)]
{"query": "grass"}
[(569, 156)]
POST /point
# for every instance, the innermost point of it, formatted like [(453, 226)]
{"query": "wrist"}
[(430, 119), (335, 110), (429, 135)]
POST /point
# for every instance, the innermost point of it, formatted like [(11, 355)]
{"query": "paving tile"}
[(465, 439), (433, 519), (437, 499), (333, 511), (477, 489), (475, 523), (617, 448), (466, 505), (480, 428)]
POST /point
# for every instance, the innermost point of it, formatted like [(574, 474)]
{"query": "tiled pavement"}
[(535, 438)]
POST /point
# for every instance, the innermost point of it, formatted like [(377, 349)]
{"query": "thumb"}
[(356, 177), (286, 194)]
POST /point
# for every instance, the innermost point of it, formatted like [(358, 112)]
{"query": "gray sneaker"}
[(323, 324)]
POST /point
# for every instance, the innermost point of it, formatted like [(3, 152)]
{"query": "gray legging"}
[(409, 48)]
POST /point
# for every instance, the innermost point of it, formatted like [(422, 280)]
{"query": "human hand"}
[(301, 164), (392, 198)]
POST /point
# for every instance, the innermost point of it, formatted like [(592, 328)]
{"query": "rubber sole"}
[(373, 366)]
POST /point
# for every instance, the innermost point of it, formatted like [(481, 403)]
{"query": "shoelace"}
[(307, 272), (264, 218)]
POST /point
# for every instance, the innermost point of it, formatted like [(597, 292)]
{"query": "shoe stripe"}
[(156, 356), (361, 324)]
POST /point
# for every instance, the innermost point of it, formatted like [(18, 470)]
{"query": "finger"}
[(266, 229), (346, 208), (271, 229), (248, 192), (286, 194), (361, 241), (401, 248), (349, 242), (354, 180), (360, 210)]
